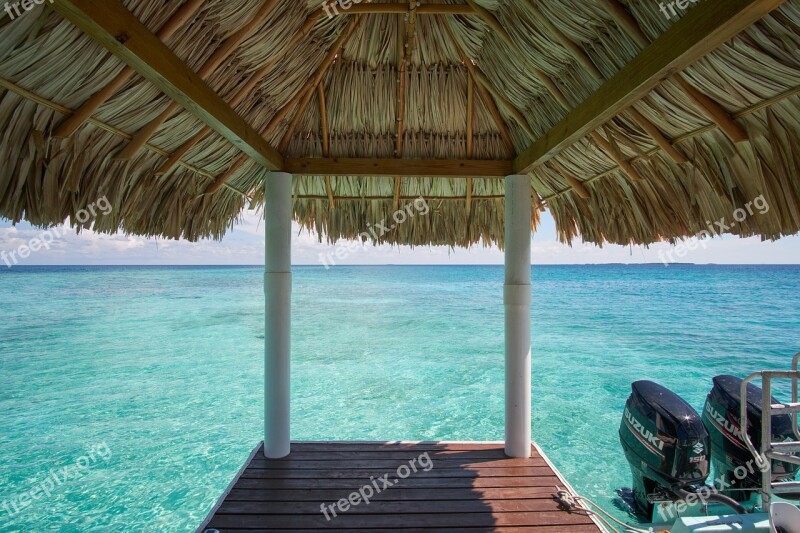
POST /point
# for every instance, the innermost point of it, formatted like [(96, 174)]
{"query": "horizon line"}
[(255, 265)]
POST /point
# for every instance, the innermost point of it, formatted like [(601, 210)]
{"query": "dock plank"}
[(466, 487)]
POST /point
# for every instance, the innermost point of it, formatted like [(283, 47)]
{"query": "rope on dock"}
[(571, 503)]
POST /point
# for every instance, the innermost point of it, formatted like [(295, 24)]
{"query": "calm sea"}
[(129, 397)]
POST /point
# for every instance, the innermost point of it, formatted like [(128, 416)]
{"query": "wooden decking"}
[(456, 487)]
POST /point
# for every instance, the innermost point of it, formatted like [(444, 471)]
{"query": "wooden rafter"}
[(186, 12), (470, 137), (115, 28), (412, 168), (308, 89), (222, 53), (713, 111), (301, 99), (706, 27), (487, 100), (486, 97), (625, 21), (504, 36), (406, 34), (689, 136), (298, 115), (312, 82), (181, 151), (575, 51), (32, 97), (652, 130), (611, 150), (573, 181), (470, 151), (711, 108), (255, 78), (400, 9), (326, 139), (222, 180), (405, 197), (498, 96)]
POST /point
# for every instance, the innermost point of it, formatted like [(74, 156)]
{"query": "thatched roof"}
[(497, 80)]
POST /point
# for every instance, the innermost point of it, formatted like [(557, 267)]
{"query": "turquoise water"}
[(157, 372)]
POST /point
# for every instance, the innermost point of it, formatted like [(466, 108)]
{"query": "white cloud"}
[(245, 245)]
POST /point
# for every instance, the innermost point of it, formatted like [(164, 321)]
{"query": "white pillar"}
[(278, 293), (517, 299)]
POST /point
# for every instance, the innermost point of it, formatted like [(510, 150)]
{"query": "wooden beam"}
[(223, 179), (399, 9), (573, 181), (470, 116), (181, 151), (405, 43), (504, 36), (316, 77), (405, 49), (575, 51), (82, 114), (333, 9), (445, 9), (616, 156), (405, 197), (256, 77), (709, 106), (498, 96), (298, 115), (690, 135), (115, 28), (714, 111), (625, 21), (470, 141), (222, 53), (703, 29), (487, 99), (652, 130), (410, 168), (302, 98), (326, 138), (195, 172)]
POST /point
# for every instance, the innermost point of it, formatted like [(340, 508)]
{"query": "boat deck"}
[(456, 486)]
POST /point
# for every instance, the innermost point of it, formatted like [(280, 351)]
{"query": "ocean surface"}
[(130, 396)]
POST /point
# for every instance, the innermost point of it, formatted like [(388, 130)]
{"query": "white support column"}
[(278, 293), (517, 299)]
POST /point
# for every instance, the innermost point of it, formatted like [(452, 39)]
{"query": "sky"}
[(244, 245)]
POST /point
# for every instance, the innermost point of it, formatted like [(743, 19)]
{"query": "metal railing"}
[(769, 450)]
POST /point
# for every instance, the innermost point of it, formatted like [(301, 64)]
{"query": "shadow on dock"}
[(456, 486)]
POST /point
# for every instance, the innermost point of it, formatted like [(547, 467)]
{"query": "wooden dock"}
[(456, 487)]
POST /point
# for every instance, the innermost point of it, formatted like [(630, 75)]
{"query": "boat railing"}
[(781, 451)]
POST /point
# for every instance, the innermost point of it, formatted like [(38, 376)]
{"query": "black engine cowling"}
[(665, 442), (722, 417)]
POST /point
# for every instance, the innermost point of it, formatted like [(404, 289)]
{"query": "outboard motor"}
[(733, 462), (665, 443)]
